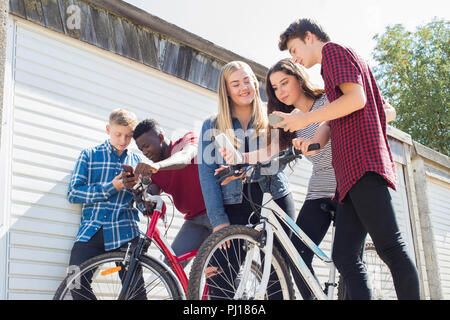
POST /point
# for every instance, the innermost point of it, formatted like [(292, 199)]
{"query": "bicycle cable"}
[(255, 205), (173, 212)]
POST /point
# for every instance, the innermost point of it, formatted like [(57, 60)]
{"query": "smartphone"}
[(274, 119), (128, 169), (223, 142)]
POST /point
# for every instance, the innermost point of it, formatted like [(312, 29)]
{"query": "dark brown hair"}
[(298, 29), (273, 104)]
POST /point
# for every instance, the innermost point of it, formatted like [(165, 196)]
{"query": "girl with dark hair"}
[(289, 90)]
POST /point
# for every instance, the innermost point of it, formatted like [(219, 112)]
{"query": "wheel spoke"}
[(101, 278), (229, 263)]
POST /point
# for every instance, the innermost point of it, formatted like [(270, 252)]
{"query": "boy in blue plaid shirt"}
[(108, 221)]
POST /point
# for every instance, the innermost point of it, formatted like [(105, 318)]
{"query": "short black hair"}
[(145, 126), (298, 29)]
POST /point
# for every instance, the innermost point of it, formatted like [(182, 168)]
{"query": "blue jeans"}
[(191, 235), (367, 208)]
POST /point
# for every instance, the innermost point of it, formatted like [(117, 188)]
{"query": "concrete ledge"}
[(432, 155)]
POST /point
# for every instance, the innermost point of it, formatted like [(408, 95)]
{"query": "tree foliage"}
[(413, 72)]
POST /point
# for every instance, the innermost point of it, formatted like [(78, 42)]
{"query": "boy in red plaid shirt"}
[(355, 121)]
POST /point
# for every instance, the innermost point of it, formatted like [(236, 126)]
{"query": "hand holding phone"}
[(223, 142), (274, 119), (128, 169)]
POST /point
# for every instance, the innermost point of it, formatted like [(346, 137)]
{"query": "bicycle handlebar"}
[(284, 157), (141, 194)]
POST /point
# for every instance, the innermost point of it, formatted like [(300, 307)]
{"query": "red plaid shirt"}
[(358, 141)]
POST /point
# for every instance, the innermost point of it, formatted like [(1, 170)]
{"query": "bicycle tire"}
[(105, 271), (197, 280), (379, 275)]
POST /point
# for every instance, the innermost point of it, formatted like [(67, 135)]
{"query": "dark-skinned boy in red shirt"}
[(174, 169)]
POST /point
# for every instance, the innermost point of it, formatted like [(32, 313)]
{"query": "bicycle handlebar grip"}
[(311, 147), (146, 180), (314, 146), (222, 175)]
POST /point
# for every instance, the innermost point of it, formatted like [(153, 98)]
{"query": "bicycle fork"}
[(267, 243), (267, 262), (130, 265), (331, 284)]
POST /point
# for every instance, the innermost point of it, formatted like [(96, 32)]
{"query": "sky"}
[(251, 28)]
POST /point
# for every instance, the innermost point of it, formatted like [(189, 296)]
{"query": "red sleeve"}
[(189, 138), (341, 65)]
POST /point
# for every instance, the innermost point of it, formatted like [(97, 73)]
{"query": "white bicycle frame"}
[(273, 226)]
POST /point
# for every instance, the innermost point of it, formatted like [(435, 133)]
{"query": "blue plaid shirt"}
[(103, 206)]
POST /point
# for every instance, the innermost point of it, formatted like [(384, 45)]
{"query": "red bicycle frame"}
[(175, 261)]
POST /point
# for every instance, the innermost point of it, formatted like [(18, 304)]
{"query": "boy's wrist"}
[(309, 118)]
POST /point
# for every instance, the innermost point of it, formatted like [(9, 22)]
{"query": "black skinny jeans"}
[(367, 208), (83, 251)]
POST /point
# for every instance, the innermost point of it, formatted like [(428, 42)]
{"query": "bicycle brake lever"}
[(234, 170), (222, 175), (224, 172), (311, 147)]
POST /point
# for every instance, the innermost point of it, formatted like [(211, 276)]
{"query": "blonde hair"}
[(123, 117), (223, 119)]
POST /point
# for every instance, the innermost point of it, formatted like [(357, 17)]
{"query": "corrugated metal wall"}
[(63, 92), (440, 223)]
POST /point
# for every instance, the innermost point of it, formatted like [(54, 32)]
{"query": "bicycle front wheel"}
[(379, 274), (100, 278), (219, 268)]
